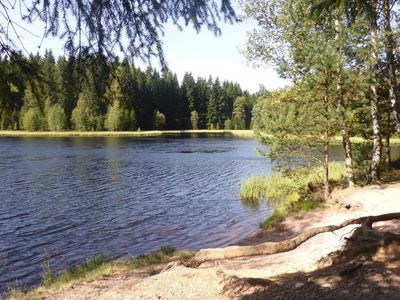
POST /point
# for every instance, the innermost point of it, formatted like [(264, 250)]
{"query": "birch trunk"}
[(391, 67), (348, 154), (376, 132)]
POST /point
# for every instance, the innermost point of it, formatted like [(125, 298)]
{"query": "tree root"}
[(278, 247)]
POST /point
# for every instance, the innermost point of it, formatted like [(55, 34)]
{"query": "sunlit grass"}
[(152, 133), (358, 140), (297, 191)]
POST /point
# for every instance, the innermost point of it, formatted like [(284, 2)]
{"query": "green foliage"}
[(32, 120), (71, 273), (83, 270), (159, 120), (118, 118), (194, 119), (56, 119), (291, 126), (48, 275), (88, 89), (228, 124), (114, 119), (110, 27), (239, 113), (362, 155), (81, 117), (296, 191), (253, 189)]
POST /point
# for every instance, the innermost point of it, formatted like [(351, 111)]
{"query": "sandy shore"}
[(272, 276)]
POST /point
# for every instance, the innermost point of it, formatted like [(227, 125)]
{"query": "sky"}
[(201, 54)]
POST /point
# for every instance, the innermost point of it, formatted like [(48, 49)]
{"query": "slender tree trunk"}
[(348, 155), (376, 132), (388, 159), (326, 167), (326, 150), (391, 67)]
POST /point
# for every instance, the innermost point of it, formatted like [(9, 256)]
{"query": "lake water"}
[(69, 199)]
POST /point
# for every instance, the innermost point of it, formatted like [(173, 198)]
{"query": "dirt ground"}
[(349, 263)]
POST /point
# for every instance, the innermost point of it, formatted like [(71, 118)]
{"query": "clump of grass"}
[(153, 258), (71, 273), (253, 189), (296, 191)]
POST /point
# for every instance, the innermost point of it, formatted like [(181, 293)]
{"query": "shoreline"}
[(246, 134), (132, 134)]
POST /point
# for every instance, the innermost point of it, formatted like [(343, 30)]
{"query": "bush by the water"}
[(298, 190)]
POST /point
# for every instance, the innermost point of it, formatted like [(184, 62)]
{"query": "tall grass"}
[(297, 191)]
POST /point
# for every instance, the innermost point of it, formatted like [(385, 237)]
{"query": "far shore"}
[(138, 134), (157, 133)]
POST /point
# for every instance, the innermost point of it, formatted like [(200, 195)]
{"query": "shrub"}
[(159, 120), (81, 119), (294, 191), (31, 119), (228, 124), (56, 119)]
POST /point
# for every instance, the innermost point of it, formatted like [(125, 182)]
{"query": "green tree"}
[(31, 119), (215, 106), (66, 75), (82, 118), (56, 119), (239, 113), (159, 120), (324, 56), (115, 117), (194, 119), (101, 26)]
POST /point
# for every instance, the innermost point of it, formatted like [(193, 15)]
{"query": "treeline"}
[(343, 59), (42, 93)]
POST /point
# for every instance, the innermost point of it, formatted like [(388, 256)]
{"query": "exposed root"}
[(278, 247)]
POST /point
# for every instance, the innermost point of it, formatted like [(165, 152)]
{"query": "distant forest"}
[(42, 93)]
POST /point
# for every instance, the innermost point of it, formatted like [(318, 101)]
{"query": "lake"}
[(69, 199)]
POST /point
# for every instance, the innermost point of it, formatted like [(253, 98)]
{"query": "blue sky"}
[(202, 54)]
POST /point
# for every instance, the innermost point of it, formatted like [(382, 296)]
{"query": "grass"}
[(358, 140), (93, 269), (297, 191), (139, 134)]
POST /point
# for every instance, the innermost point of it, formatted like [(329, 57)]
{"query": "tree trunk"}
[(376, 132), (326, 149), (391, 67), (348, 154), (326, 167), (388, 159), (274, 247)]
